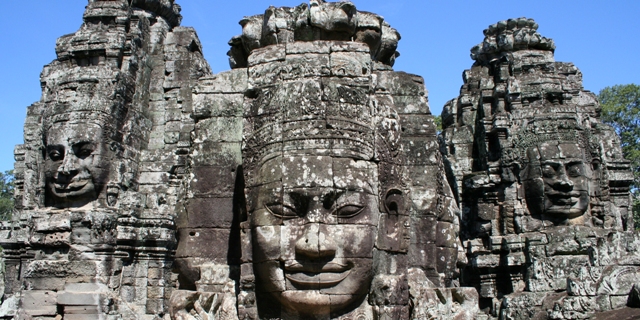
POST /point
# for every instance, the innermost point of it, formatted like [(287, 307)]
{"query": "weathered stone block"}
[(420, 151), (392, 312), (417, 125), (153, 178), (389, 290), (232, 81), (206, 105), (199, 242), (208, 213), (446, 235), (213, 181), (354, 91), (80, 298), (155, 306), (224, 154), (53, 222), (409, 105), (267, 54), (60, 269), (307, 172), (304, 47), (401, 84), (424, 201), (393, 235), (266, 74), (40, 303), (350, 64), (55, 239), (421, 255), (218, 129), (306, 65)]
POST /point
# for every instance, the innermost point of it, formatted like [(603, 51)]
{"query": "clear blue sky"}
[(602, 38)]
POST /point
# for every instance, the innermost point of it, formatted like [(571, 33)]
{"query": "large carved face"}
[(314, 223), (558, 187), (75, 163)]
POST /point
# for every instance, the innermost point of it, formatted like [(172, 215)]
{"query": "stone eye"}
[(55, 154), (281, 211), (84, 150), (575, 170), (548, 170), (84, 153), (348, 211)]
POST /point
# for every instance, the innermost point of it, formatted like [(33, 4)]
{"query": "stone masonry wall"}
[(308, 182)]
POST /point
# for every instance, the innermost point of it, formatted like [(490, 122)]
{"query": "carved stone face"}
[(314, 231), (75, 163), (558, 187)]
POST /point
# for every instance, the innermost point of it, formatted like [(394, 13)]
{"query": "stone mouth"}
[(71, 186), (564, 198), (320, 280), (316, 275)]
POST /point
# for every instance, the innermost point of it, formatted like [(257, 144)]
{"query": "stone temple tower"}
[(305, 182), (308, 182), (99, 176), (542, 184)]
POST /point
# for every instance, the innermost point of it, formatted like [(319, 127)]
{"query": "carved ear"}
[(394, 227), (394, 202)]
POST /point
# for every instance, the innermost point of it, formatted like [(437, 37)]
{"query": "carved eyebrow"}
[(367, 187), (81, 143), (333, 194)]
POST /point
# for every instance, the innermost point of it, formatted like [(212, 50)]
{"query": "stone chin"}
[(315, 302), (310, 300)]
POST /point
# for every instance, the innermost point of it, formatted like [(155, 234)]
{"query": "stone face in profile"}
[(313, 241), (557, 182), (76, 165)]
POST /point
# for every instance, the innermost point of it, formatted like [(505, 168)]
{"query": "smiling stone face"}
[(558, 185), (313, 232), (75, 163)]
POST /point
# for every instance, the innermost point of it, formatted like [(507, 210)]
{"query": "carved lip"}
[(316, 275), (564, 198), (71, 186)]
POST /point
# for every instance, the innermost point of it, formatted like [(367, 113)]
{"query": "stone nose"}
[(69, 163), (317, 211), (562, 180), (315, 243)]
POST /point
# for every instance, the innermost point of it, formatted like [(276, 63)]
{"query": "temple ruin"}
[(309, 181), (542, 185)]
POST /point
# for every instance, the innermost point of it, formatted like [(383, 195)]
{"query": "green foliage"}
[(621, 109), (6, 194), (636, 212), (438, 121)]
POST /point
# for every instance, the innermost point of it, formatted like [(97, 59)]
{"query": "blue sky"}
[(599, 37)]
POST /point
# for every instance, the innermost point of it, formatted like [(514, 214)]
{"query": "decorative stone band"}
[(95, 117), (539, 131), (94, 96), (333, 137)]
